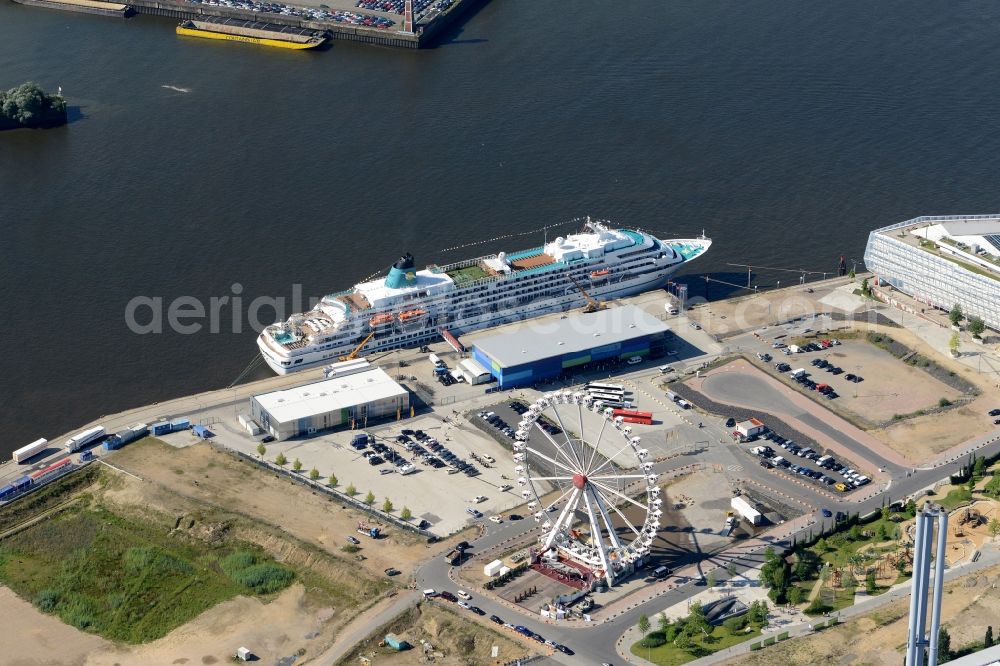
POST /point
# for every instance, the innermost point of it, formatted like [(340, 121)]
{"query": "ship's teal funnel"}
[(402, 274)]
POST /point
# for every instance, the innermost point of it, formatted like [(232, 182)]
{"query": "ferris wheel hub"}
[(579, 481)]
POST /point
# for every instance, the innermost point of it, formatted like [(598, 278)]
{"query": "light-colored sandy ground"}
[(923, 437), (218, 479), (41, 639), (969, 605), (889, 387)]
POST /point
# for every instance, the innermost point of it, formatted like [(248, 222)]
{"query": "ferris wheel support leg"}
[(612, 534), (564, 516), (595, 538)]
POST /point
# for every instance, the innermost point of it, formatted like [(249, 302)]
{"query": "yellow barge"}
[(251, 32)]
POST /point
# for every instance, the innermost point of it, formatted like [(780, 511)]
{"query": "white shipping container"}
[(493, 568), (30, 450)]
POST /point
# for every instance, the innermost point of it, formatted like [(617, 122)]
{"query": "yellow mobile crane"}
[(592, 305), (354, 354)]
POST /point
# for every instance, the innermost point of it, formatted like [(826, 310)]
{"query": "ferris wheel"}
[(601, 513)]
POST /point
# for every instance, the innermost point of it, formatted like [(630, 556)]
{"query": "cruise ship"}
[(412, 307)]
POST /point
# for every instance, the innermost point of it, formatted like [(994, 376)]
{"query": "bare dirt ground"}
[(204, 474), (923, 437), (969, 605), (274, 630), (890, 386), (452, 640), (202, 485)]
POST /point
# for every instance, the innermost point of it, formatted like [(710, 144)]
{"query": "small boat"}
[(601, 273), (380, 319)]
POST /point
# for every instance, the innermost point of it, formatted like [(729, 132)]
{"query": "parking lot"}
[(445, 480)]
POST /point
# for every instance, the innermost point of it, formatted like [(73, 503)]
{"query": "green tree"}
[(885, 512), (822, 546), (955, 315), (880, 532), (297, 465), (261, 449), (988, 639), (901, 565), (406, 514), (314, 474), (370, 498), (953, 342), (643, 624), (851, 274), (979, 467), (944, 645), (387, 505), (866, 289), (732, 570), (332, 480), (664, 622), (28, 105), (697, 623), (994, 527), (870, 585), (351, 490), (795, 595), (281, 459), (976, 327), (710, 579), (911, 508)]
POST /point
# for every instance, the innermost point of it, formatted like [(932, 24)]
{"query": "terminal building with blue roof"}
[(541, 349)]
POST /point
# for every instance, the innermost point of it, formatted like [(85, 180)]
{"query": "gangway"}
[(453, 341)]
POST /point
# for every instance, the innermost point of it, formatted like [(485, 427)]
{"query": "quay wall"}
[(425, 36), (187, 10)]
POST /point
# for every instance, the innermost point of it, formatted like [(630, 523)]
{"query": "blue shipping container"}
[(161, 428), (22, 483), (180, 424), (112, 443), (86, 455)]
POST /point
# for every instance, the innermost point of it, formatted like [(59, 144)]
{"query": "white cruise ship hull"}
[(520, 294)]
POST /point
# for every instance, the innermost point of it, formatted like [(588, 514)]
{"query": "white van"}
[(464, 595), (666, 368), (634, 360)]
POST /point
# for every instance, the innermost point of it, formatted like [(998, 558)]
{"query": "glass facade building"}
[(939, 274)]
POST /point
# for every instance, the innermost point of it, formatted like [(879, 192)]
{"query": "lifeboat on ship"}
[(410, 315), (601, 273), (380, 320)]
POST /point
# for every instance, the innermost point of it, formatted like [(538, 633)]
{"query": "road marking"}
[(735, 468)]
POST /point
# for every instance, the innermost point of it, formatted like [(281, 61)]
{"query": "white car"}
[(478, 499), (505, 487), (464, 595), (496, 519), (462, 604)]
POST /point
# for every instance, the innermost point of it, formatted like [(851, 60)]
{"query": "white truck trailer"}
[(745, 509), (25, 452)]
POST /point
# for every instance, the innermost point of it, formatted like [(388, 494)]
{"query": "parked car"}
[(353, 539), (495, 619), (448, 596)]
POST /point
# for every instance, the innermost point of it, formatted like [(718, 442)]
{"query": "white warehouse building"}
[(941, 261), (353, 394)]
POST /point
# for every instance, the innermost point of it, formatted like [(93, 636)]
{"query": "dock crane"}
[(592, 305), (354, 354)]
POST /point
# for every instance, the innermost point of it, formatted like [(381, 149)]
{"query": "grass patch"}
[(671, 655), (955, 498), (127, 579)]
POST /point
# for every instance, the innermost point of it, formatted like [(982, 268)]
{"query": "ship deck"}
[(258, 29)]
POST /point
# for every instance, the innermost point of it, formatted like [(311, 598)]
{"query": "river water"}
[(785, 129)]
